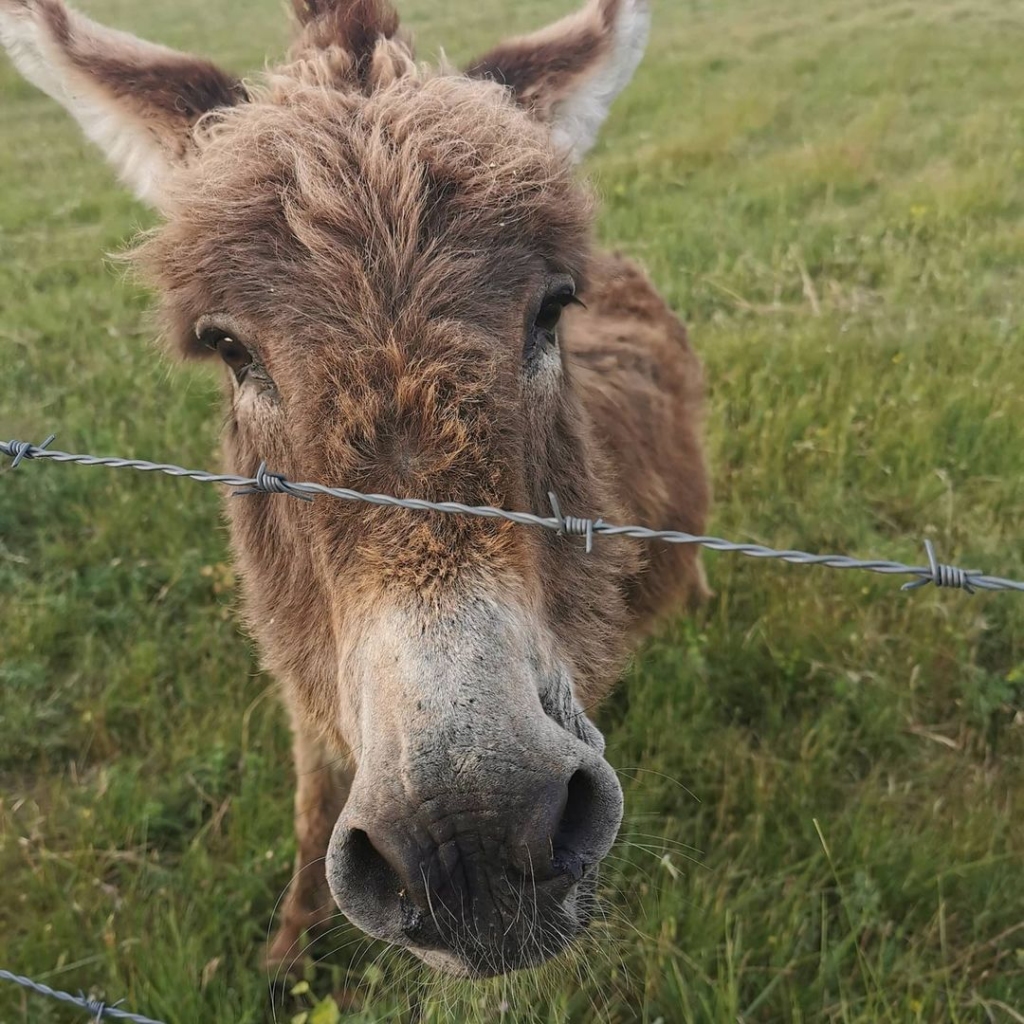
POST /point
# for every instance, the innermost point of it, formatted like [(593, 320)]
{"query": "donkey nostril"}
[(370, 865), (376, 879), (580, 828)]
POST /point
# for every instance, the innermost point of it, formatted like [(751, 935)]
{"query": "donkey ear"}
[(137, 101), (353, 25), (570, 73)]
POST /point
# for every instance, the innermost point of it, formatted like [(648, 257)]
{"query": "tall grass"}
[(824, 777)]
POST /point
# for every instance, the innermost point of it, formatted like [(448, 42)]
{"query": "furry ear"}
[(137, 101), (366, 48), (570, 73), (353, 25)]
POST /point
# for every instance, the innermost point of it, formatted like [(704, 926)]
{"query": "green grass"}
[(824, 777)]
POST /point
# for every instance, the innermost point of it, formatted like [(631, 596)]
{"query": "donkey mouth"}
[(539, 933)]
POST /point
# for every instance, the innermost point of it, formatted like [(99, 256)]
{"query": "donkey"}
[(394, 264)]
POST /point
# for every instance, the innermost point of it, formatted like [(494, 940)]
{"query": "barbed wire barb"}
[(944, 575), (270, 483), (573, 526), (940, 575), (25, 450)]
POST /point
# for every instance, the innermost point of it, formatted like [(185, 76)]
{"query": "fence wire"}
[(97, 1010), (266, 482)]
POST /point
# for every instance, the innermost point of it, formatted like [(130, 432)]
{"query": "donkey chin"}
[(475, 824)]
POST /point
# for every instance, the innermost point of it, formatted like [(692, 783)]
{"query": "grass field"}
[(824, 777)]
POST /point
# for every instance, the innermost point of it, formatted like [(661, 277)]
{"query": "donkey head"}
[(380, 254)]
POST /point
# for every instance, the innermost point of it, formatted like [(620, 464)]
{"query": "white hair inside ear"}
[(568, 74), (576, 119)]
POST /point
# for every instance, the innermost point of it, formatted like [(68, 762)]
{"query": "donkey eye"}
[(549, 315), (232, 351), (542, 335)]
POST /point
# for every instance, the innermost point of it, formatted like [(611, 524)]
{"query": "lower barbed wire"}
[(97, 1009), (266, 483)]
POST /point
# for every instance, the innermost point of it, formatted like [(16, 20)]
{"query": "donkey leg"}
[(322, 784)]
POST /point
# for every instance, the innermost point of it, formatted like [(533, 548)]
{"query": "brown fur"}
[(387, 366), (379, 234)]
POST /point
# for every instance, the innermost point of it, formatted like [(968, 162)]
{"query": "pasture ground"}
[(824, 777)]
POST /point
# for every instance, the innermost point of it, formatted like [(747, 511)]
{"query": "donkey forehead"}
[(421, 192)]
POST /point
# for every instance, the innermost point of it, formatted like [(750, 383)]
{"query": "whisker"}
[(652, 771), (277, 905), (663, 839)]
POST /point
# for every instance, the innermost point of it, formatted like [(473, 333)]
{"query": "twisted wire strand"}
[(97, 1010), (265, 482)]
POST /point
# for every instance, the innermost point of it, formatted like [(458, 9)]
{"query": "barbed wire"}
[(266, 482), (97, 1009)]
